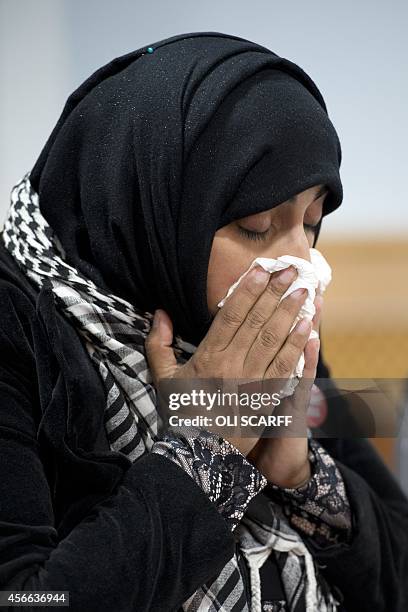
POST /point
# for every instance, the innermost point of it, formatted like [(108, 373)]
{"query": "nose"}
[(292, 242)]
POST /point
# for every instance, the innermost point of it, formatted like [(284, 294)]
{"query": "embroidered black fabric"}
[(219, 468), (320, 508)]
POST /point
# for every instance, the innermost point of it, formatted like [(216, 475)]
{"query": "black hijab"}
[(163, 146)]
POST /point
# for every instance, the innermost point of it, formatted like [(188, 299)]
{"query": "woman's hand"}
[(248, 337), (284, 460)]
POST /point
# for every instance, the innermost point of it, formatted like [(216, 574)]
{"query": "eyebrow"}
[(321, 192)]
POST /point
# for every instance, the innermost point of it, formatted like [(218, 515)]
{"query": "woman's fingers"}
[(301, 398), (286, 359), (259, 316), (272, 336), (311, 353), (318, 302), (230, 317), (161, 358)]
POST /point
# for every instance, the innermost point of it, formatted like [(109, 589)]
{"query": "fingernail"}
[(287, 275), (316, 345), (298, 293), (156, 320), (303, 326), (260, 275), (316, 342)]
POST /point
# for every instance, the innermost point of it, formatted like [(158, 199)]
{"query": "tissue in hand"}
[(313, 275)]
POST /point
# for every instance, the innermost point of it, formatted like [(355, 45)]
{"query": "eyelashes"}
[(253, 235), (263, 235)]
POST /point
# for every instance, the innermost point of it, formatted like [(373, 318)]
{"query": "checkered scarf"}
[(113, 331)]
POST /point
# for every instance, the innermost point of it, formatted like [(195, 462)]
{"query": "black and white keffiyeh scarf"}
[(113, 332), (112, 329)]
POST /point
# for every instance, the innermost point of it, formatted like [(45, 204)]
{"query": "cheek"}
[(228, 261)]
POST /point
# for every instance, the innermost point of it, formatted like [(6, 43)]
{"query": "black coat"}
[(122, 537)]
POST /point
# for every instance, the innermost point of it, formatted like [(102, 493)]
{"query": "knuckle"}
[(282, 365), (269, 339), (231, 317), (297, 341), (251, 289), (275, 288), (255, 319), (202, 363)]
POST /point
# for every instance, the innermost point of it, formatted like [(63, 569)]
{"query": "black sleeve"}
[(217, 466), (318, 509), (372, 570), (148, 546)]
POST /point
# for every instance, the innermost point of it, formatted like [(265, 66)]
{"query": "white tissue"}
[(312, 275)]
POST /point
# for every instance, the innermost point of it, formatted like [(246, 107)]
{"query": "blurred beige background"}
[(365, 321)]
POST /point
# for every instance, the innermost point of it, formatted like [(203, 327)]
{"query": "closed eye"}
[(251, 235)]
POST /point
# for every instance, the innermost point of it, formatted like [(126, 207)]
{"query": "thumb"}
[(160, 355)]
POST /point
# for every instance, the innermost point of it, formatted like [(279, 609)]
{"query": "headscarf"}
[(163, 146)]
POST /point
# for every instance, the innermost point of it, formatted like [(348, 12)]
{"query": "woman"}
[(168, 172)]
